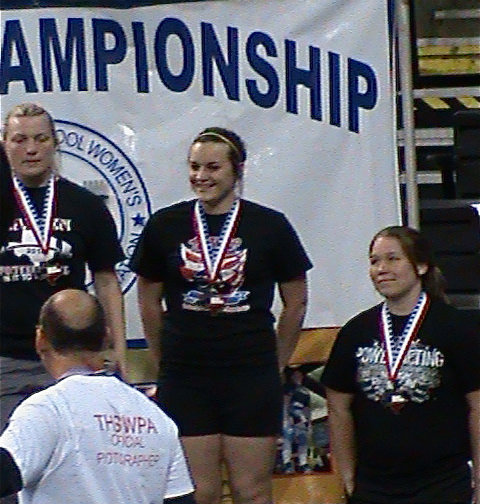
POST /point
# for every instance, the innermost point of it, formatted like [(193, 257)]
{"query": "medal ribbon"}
[(41, 225), (213, 256), (395, 352)]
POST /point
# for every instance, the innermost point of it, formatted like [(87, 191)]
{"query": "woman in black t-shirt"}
[(55, 229), (215, 262), (403, 385)]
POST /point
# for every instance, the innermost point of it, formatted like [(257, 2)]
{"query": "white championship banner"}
[(306, 84)]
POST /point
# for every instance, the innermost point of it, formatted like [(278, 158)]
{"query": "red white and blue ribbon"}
[(41, 223), (212, 256), (396, 349)]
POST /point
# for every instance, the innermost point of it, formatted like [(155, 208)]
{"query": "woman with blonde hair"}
[(58, 228)]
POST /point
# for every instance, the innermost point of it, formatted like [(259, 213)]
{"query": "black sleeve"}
[(148, 260), (104, 248), (7, 200), (462, 333), (10, 477), (290, 259), (339, 373), (182, 499)]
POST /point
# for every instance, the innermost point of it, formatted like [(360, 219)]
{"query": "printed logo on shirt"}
[(417, 379), (96, 162), (222, 295), (126, 440), (37, 264)]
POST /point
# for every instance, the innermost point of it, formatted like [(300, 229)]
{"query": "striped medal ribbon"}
[(396, 349), (41, 223), (212, 255)]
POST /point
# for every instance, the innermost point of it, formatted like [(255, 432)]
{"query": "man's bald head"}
[(73, 320)]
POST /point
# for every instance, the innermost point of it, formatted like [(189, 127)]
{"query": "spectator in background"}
[(403, 385), (216, 261), (90, 438), (320, 434), (296, 423), (58, 229)]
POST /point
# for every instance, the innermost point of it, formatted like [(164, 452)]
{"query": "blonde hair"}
[(29, 110)]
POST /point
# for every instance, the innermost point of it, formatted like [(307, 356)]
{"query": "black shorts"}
[(236, 402)]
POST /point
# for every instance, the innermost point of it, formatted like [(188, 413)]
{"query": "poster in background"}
[(307, 85)]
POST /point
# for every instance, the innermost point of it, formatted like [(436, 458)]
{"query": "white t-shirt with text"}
[(95, 439)]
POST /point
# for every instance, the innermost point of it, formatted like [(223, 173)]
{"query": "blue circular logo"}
[(93, 161)]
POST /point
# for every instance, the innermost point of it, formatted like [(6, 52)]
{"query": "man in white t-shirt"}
[(89, 438)]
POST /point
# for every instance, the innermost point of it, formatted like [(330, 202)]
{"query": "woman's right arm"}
[(150, 295), (342, 435)]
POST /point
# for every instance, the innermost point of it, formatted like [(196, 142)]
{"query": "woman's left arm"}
[(294, 296), (110, 297), (473, 399)]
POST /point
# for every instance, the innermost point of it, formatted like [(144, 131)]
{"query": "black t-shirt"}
[(264, 251), (83, 233), (7, 200), (419, 454)]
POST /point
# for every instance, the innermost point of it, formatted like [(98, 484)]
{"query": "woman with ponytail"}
[(403, 385)]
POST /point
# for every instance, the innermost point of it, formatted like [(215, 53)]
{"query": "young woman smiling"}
[(215, 261), (403, 385)]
